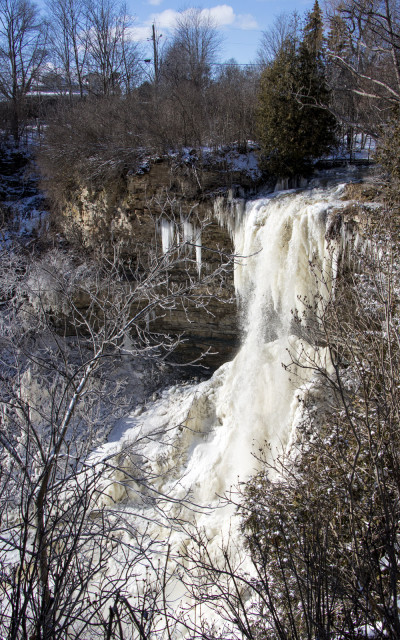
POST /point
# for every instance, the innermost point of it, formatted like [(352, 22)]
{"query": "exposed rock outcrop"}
[(132, 212)]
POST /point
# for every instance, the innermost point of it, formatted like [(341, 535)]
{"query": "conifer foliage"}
[(293, 123)]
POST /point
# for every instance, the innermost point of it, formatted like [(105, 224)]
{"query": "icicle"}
[(167, 234), (188, 232), (198, 250), (230, 214)]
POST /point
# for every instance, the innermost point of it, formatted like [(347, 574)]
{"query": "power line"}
[(233, 64), (246, 30)]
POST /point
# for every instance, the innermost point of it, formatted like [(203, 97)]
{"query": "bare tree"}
[(69, 329), (186, 70), (232, 99), (68, 37), (365, 44), (23, 42), (112, 55), (272, 40), (194, 47)]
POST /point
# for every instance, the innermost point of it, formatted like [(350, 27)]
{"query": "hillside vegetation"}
[(322, 81)]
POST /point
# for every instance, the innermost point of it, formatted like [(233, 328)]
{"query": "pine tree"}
[(279, 115), (294, 127), (312, 42)]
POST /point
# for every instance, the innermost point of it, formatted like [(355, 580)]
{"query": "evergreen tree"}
[(279, 115), (294, 127)]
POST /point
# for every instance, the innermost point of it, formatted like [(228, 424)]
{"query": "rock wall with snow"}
[(168, 198)]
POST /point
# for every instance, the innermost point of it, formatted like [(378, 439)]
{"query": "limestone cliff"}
[(131, 212)]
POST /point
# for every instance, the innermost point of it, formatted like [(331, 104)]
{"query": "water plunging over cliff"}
[(206, 434), (197, 443)]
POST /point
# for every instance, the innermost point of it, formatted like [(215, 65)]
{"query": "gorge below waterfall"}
[(197, 443)]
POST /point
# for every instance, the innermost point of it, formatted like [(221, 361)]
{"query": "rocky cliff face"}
[(166, 197)]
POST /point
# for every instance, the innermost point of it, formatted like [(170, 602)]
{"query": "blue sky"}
[(241, 23)]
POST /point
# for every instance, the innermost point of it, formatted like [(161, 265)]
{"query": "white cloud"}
[(140, 34), (246, 21), (155, 2), (222, 14), (164, 20)]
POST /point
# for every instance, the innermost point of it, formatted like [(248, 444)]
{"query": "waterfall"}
[(197, 442), (213, 428), (252, 400)]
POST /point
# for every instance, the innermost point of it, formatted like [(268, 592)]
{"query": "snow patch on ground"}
[(225, 159)]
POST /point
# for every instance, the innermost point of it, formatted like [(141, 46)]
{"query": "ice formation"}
[(190, 235)]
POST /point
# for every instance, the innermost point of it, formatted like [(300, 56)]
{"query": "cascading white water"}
[(197, 442), (214, 427), (252, 400)]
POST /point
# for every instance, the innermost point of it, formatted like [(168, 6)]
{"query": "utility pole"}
[(155, 40)]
